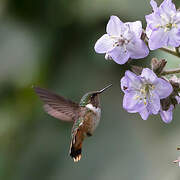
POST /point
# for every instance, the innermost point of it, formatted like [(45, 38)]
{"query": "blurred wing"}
[(57, 106)]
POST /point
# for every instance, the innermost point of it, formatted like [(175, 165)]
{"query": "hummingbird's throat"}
[(96, 110)]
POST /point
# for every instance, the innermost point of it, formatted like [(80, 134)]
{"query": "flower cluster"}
[(146, 91), (123, 41)]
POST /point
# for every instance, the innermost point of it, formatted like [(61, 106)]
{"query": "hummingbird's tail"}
[(75, 153), (76, 146)]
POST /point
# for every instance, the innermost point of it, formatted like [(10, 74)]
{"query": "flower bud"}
[(158, 65)]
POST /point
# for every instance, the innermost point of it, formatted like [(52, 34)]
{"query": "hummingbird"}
[(85, 115)]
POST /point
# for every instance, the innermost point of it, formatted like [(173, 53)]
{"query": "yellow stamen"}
[(145, 102), (158, 25), (175, 25), (152, 87), (136, 97)]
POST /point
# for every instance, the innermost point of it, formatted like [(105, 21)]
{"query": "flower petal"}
[(131, 103), (149, 75), (119, 55), (166, 116), (152, 21), (103, 44), (167, 7), (163, 88), (153, 104), (124, 84), (136, 28), (134, 82), (174, 37), (144, 114), (114, 26), (137, 49), (154, 5), (158, 39)]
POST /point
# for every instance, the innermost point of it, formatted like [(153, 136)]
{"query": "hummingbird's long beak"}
[(102, 90)]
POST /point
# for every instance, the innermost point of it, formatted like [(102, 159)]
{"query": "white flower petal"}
[(104, 44), (136, 28), (119, 55), (137, 49), (163, 88), (114, 26), (148, 75), (144, 114)]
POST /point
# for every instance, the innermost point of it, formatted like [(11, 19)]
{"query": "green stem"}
[(171, 71), (175, 53)]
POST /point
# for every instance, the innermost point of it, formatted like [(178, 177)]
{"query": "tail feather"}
[(76, 146), (75, 153)]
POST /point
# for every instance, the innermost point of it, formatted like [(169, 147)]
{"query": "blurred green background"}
[(50, 43)]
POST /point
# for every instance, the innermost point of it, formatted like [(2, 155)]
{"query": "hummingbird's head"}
[(92, 97)]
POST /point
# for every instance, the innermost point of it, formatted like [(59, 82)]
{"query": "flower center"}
[(120, 41), (169, 26), (167, 23), (145, 93)]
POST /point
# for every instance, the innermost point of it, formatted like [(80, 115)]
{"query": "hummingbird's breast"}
[(91, 118), (87, 122)]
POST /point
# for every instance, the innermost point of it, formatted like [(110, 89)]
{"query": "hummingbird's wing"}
[(57, 106)]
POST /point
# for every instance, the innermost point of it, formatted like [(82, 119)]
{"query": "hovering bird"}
[(85, 115)]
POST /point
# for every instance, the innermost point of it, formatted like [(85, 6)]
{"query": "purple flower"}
[(174, 99), (166, 116), (122, 41), (143, 92), (163, 25)]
